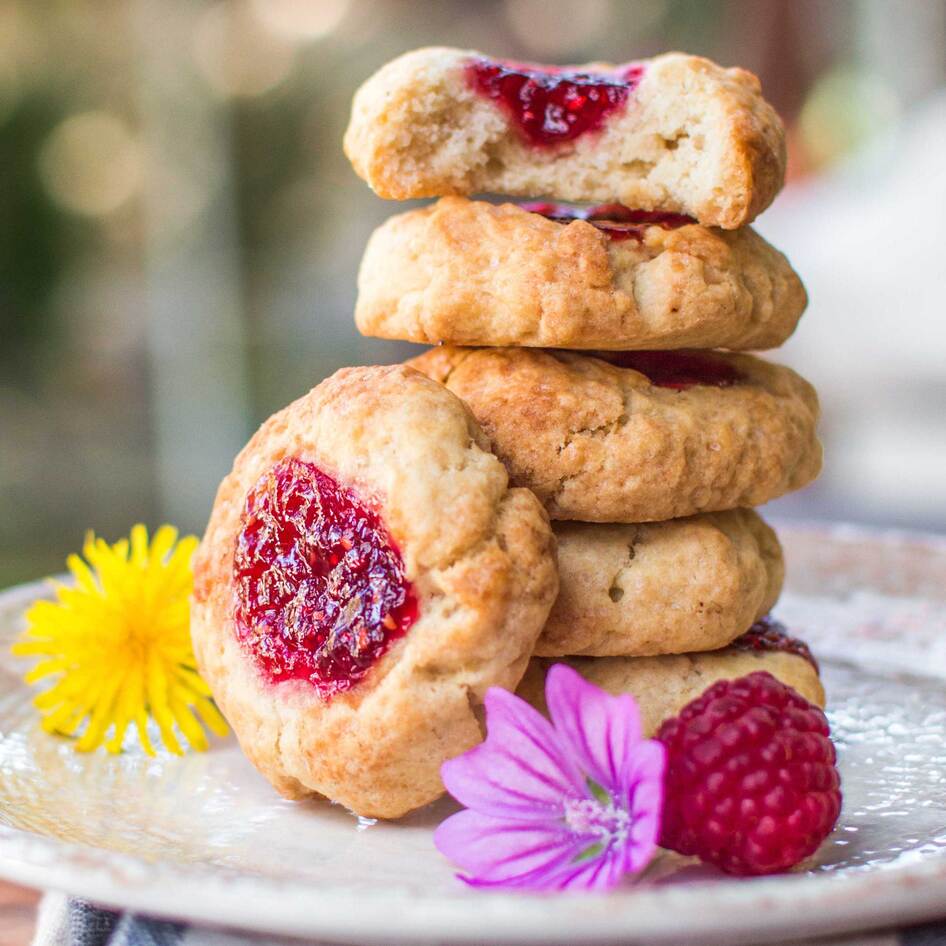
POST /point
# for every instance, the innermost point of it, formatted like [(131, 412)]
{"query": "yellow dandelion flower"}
[(117, 645)]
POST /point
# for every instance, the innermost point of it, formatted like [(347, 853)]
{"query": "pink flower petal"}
[(495, 851), (602, 731), (520, 771), (596, 876), (645, 799), (535, 819)]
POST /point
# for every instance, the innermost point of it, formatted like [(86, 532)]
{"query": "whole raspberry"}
[(751, 782)]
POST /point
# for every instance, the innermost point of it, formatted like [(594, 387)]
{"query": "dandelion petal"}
[(117, 645)]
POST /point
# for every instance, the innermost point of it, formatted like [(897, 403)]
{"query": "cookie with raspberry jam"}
[(366, 575), (638, 436), (674, 133), (662, 686), (548, 275), (688, 584)]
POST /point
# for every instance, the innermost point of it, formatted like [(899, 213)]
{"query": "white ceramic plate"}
[(205, 839)]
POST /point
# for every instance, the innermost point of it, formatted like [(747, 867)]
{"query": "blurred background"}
[(180, 232)]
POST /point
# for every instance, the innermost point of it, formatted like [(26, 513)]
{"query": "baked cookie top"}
[(675, 133), (366, 575), (670, 587), (557, 276), (662, 686), (638, 436)]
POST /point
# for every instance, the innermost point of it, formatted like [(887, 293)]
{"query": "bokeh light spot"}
[(91, 164), (301, 19), (236, 56), (846, 108)]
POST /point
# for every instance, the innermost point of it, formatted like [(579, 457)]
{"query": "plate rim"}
[(800, 905), (803, 905)]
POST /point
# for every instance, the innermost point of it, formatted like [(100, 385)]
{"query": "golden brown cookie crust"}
[(481, 560), (694, 138), (671, 587), (433, 275), (600, 443), (662, 686)]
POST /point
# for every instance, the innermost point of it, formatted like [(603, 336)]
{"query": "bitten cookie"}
[(365, 576), (662, 686), (473, 273), (676, 133), (638, 436), (663, 587)]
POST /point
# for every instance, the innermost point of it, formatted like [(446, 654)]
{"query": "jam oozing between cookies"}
[(320, 587), (552, 105), (769, 635), (616, 220), (677, 369)]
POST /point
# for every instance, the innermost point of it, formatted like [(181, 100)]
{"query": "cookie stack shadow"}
[(603, 351)]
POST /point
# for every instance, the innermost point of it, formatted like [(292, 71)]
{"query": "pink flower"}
[(572, 804)]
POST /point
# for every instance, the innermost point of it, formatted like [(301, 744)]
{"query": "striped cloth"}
[(65, 922)]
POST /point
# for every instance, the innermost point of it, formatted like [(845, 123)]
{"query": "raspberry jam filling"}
[(678, 370), (552, 105), (320, 588), (618, 221), (767, 635)]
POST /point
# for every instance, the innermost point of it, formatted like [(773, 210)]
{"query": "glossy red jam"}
[(767, 635), (552, 105), (320, 587), (677, 369), (618, 221)]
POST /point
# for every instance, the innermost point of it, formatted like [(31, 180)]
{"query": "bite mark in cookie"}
[(674, 133), (550, 105), (319, 585)]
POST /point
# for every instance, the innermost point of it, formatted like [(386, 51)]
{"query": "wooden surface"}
[(17, 915)]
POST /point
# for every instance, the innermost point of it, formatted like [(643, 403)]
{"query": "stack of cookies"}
[(595, 345), (384, 549)]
